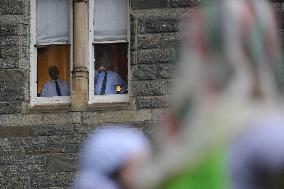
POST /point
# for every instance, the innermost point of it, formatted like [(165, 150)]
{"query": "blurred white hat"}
[(105, 151)]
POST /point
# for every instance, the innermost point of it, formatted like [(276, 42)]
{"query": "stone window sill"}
[(111, 106), (27, 108)]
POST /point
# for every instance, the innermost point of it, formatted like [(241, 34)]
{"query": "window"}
[(108, 51), (50, 51)]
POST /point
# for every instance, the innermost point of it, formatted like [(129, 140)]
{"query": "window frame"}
[(111, 98), (34, 99)]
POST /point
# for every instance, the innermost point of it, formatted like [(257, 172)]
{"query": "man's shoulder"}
[(63, 81), (114, 74), (47, 83), (109, 73)]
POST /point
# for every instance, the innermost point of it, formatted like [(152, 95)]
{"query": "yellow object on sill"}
[(118, 88)]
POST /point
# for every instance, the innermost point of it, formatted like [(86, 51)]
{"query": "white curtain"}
[(52, 21), (110, 20)]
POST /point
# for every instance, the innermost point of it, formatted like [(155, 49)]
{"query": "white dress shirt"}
[(49, 88), (113, 80)]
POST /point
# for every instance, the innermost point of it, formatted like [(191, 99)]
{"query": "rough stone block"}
[(48, 130), (146, 4), (46, 179), (51, 144), (6, 52), (153, 56), (11, 107), (116, 116), (13, 75), (13, 29), (62, 162), (40, 145), (144, 72), (14, 141), (24, 169), (11, 91), (9, 147), (151, 102), (158, 25), (172, 40), (45, 148), (13, 41), (67, 139), (9, 63), (184, 3), (176, 36), (13, 51), (6, 132), (83, 128), (23, 163), (39, 119), (72, 148), (149, 41), (149, 88), (12, 7), (166, 71), (11, 181), (15, 19), (169, 13)]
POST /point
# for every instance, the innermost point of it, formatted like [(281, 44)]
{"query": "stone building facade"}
[(39, 146)]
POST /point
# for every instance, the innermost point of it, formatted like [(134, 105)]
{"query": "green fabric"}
[(212, 173)]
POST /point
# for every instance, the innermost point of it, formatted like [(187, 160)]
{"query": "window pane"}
[(111, 68), (110, 20), (52, 23), (53, 71)]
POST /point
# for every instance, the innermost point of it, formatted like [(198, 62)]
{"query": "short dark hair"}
[(52, 69)]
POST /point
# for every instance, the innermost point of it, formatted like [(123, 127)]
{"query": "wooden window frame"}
[(34, 99), (111, 98)]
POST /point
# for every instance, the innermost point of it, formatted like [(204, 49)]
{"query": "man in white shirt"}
[(106, 81), (55, 87)]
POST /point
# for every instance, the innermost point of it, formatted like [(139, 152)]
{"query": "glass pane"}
[(110, 20), (52, 21), (53, 71), (111, 68)]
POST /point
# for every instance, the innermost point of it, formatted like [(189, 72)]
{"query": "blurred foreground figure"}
[(226, 129), (105, 157)]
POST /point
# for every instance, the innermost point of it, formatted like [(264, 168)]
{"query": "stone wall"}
[(39, 148)]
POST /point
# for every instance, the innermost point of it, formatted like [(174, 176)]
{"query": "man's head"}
[(105, 62), (53, 72)]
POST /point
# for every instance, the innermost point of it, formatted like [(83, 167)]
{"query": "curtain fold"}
[(52, 21), (110, 20)]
